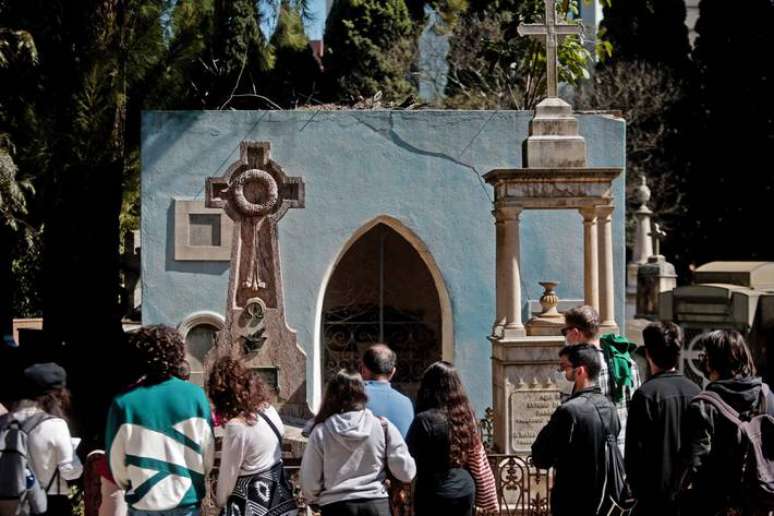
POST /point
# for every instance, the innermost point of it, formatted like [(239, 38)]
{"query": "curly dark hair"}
[(442, 389), (159, 349), (235, 391)]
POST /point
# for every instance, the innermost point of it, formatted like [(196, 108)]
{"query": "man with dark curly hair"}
[(159, 435)]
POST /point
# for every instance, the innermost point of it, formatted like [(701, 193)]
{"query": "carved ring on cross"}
[(255, 308), (255, 209)]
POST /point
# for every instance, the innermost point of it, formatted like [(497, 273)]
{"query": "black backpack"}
[(20, 491), (754, 447), (616, 497)]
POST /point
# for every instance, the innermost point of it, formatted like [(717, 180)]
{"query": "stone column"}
[(590, 257), (500, 264), (607, 297), (508, 281)]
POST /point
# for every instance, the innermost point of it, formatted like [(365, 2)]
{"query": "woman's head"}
[(159, 350), (442, 389), (46, 385), (234, 390), (726, 354), (345, 392)]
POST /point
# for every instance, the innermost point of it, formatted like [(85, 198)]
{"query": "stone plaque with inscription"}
[(531, 406)]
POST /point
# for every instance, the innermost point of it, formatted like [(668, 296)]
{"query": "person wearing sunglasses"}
[(619, 376)]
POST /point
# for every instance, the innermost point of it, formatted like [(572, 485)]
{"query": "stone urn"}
[(549, 300)]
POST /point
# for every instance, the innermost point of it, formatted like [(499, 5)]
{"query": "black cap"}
[(44, 378)]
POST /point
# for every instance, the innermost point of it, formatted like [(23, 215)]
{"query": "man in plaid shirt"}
[(582, 327)]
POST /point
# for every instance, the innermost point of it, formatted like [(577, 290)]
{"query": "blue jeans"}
[(180, 511)]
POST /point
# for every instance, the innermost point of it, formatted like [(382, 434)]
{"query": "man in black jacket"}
[(656, 431), (710, 458), (573, 441)]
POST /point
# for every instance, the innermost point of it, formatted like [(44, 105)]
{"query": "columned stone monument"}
[(256, 193), (555, 176)]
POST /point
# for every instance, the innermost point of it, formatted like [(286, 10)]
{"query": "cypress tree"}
[(653, 31), (371, 46), (734, 132)]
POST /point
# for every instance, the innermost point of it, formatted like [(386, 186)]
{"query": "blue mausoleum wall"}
[(422, 168)]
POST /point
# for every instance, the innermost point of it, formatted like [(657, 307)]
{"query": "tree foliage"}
[(732, 135), (645, 95), (651, 31), (371, 47), (492, 67)]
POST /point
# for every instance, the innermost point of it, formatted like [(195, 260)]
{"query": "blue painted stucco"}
[(421, 167)]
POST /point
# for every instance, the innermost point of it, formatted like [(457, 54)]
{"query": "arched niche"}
[(200, 330), (384, 285)]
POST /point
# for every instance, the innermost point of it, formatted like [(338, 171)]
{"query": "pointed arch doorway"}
[(386, 287)]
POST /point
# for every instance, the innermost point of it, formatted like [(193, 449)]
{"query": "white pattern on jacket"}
[(345, 459)]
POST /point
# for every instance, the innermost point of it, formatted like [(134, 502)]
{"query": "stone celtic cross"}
[(256, 193), (551, 33)]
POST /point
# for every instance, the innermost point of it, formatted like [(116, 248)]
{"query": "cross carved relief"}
[(256, 193)]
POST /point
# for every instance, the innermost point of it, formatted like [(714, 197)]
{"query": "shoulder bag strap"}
[(716, 401), (271, 425), (602, 419), (383, 422)]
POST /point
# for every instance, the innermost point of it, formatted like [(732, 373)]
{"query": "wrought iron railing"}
[(522, 489)]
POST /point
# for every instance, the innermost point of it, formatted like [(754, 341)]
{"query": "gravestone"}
[(555, 176), (256, 193), (732, 295)]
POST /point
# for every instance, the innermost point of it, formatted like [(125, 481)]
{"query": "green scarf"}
[(618, 355)]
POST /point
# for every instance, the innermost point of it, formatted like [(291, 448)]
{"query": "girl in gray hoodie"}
[(344, 464)]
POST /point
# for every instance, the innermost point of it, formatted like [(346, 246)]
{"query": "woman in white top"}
[(251, 454), (52, 455)]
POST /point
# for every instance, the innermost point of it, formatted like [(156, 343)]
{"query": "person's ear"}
[(392, 373)]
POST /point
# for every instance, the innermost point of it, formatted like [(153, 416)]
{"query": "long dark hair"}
[(235, 391), (345, 392), (56, 402), (727, 353), (442, 389)]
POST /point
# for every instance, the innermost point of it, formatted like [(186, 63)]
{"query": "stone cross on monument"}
[(551, 33), (256, 193)]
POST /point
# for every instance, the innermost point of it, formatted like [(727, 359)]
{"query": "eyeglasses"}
[(567, 329)]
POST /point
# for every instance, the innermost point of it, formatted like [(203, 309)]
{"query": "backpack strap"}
[(271, 425), (54, 477), (32, 422), (764, 398), (716, 401)]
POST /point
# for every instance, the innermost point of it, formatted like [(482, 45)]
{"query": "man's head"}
[(663, 341), (584, 366), (159, 349), (726, 355), (564, 358), (581, 325), (378, 363)]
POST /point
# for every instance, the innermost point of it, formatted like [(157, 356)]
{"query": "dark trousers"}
[(59, 505), (462, 506), (372, 507)]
